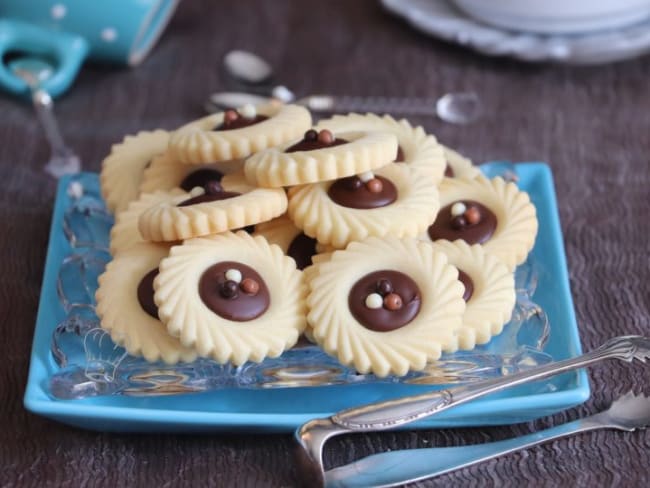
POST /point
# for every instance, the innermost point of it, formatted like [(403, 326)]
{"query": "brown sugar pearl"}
[(229, 289), (375, 185), (250, 286), (393, 301), (384, 287), (458, 222), (311, 135), (213, 187), (325, 137), (230, 116), (472, 215), (353, 183)]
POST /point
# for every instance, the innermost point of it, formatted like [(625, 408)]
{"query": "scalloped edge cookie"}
[(198, 143), (122, 316), (516, 216), (492, 302), (365, 151), (122, 169), (187, 317), (168, 222), (312, 210), (460, 165), (422, 152), (397, 352)]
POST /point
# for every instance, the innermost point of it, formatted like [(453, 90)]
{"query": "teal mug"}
[(66, 32)]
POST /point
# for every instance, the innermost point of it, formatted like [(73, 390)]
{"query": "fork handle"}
[(410, 465)]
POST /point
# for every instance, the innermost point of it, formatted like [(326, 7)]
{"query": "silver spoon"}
[(34, 71), (257, 75), (383, 470), (311, 437)]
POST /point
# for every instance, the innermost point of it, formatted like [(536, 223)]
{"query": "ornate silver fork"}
[(311, 436)]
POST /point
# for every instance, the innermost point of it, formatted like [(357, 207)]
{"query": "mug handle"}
[(67, 51)]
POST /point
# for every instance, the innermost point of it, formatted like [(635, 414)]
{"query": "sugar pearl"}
[(458, 208), (326, 137), (229, 289), (311, 135), (375, 185), (367, 176), (250, 286), (472, 215), (213, 187), (374, 300), (393, 301), (197, 191), (384, 287), (230, 116), (353, 183), (458, 222), (233, 275), (248, 111)]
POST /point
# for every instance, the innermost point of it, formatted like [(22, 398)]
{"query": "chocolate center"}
[(301, 249), (200, 178), (240, 122), (383, 319), (449, 172), (233, 304), (467, 283), (145, 293), (209, 197), (477, 233), (400, 155), (351, 192), (311, 145)]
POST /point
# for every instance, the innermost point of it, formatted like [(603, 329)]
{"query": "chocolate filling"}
[(351, 192), (400, 155), (209, 197), (478, 233), (301, 249), (200, 178), (238, 306), (311, 145), (240, 122), (145, 293), (381, 319), (467, 283), (449, 172)]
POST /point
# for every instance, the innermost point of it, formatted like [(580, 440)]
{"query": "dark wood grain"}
[(591, 124)]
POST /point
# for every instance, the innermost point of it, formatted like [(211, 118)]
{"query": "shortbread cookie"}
[(292, 241), (126, 308), (233, 297), (165, 173), (125, 233), (386, 306), (233, 204), (122, 168), (489, 291), (320, 156), (238, 134), (416, 149), (492, 213), (458, 166), (393, 200)]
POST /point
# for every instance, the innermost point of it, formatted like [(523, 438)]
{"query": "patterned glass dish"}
[(80, 376)]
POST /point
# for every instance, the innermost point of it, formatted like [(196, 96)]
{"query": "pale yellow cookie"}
[(169, 222), (492, 299), (198, 142), (125, 233), (364, 151), (165, 172), (432, 329), (516, 220), (458, 165), (312, 210), (182, 304), (420, 151), (122, 169), (122, 315)]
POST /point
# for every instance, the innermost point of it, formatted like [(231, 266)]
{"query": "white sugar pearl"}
[(197, 191), (248, 111), (367, 176), (75, 190), (233, 275), (457, 209), (374, 300)]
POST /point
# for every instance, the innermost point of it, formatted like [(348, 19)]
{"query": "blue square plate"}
[(282, 410)]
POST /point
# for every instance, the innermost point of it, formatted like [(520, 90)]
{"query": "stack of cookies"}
[(242, 231)]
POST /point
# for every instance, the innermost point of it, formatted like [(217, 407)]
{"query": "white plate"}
[(441, 19)]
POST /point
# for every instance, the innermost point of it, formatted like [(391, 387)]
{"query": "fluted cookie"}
[(320, 156), (391, 201), (231, 204), (458, 166), (386, 306), (232, 297), (122, 169), (238, 134), (416, 149), (489, 291), (126, 308), (492, 213)]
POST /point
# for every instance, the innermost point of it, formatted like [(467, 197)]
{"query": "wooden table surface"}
[(592, 124)]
